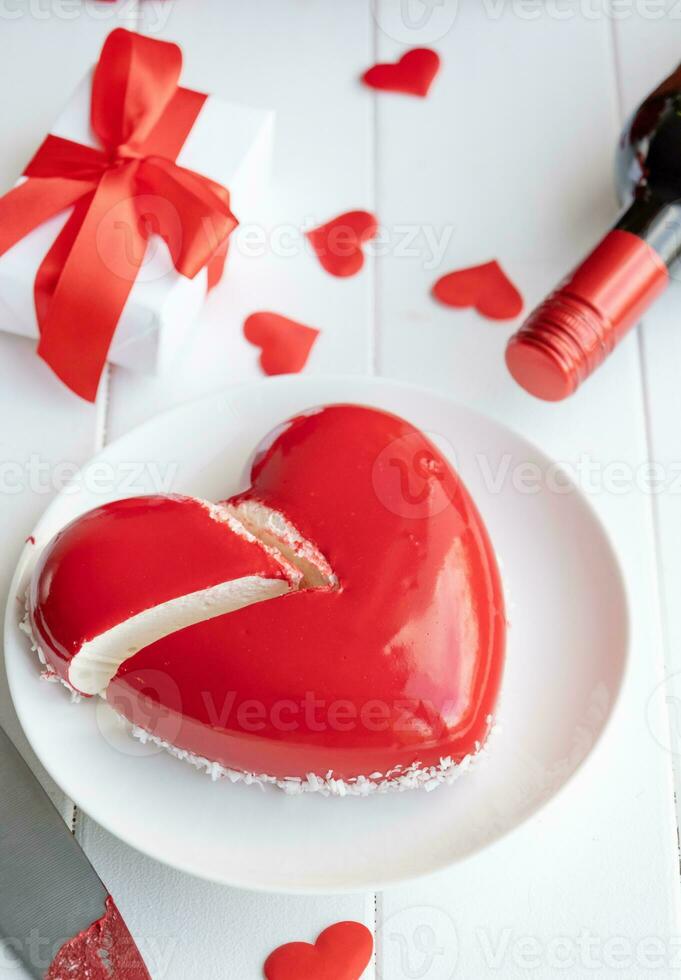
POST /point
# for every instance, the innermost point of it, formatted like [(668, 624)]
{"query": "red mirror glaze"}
[(400, 664)]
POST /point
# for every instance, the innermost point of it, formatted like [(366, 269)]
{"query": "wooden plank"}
[(648, 50), (513, 152), (303, 61), (47, 431)]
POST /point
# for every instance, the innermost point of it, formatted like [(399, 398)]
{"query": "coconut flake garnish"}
[(397, 780)]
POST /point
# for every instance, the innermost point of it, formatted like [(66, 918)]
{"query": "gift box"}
[(121, 273)]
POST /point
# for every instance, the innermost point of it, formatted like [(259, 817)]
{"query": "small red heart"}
[(338, 243), (485, 287), (413, 74), (342, 952), (285, 344)]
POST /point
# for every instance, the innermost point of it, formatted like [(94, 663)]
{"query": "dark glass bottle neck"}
[(657, 220)]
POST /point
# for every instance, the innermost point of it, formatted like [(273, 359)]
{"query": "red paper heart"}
[(338, 243), (342, 952), (285, 344), (413, 74), (485, 287), (385, 671)]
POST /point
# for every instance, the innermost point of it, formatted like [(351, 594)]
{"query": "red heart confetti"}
[(285, 344), (485, 287), (413, 74), (342, 952), (338, 243)]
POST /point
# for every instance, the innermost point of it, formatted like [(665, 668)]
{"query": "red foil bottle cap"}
[(565, 339)]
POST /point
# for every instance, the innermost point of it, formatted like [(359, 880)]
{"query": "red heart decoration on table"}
[(338, 243), (342, 952), (401, 618), (485, 287), (285, 344), (413, 74)]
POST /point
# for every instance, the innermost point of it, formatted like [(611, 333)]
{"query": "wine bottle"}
[(566, 338)]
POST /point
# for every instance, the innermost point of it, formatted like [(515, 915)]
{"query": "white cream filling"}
[(99, 659), (272, 529)]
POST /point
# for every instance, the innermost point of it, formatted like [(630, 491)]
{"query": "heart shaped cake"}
[(338, 627)]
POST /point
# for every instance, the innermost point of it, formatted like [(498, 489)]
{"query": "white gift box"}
[(232, 145)]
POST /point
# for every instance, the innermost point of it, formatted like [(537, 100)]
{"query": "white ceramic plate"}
[(566, 659)]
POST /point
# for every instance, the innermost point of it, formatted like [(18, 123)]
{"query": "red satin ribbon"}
[(121, 194)]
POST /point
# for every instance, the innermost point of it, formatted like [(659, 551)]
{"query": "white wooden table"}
[(509, 157)]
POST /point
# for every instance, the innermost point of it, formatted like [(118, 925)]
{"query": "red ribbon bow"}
[(121, 194)]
